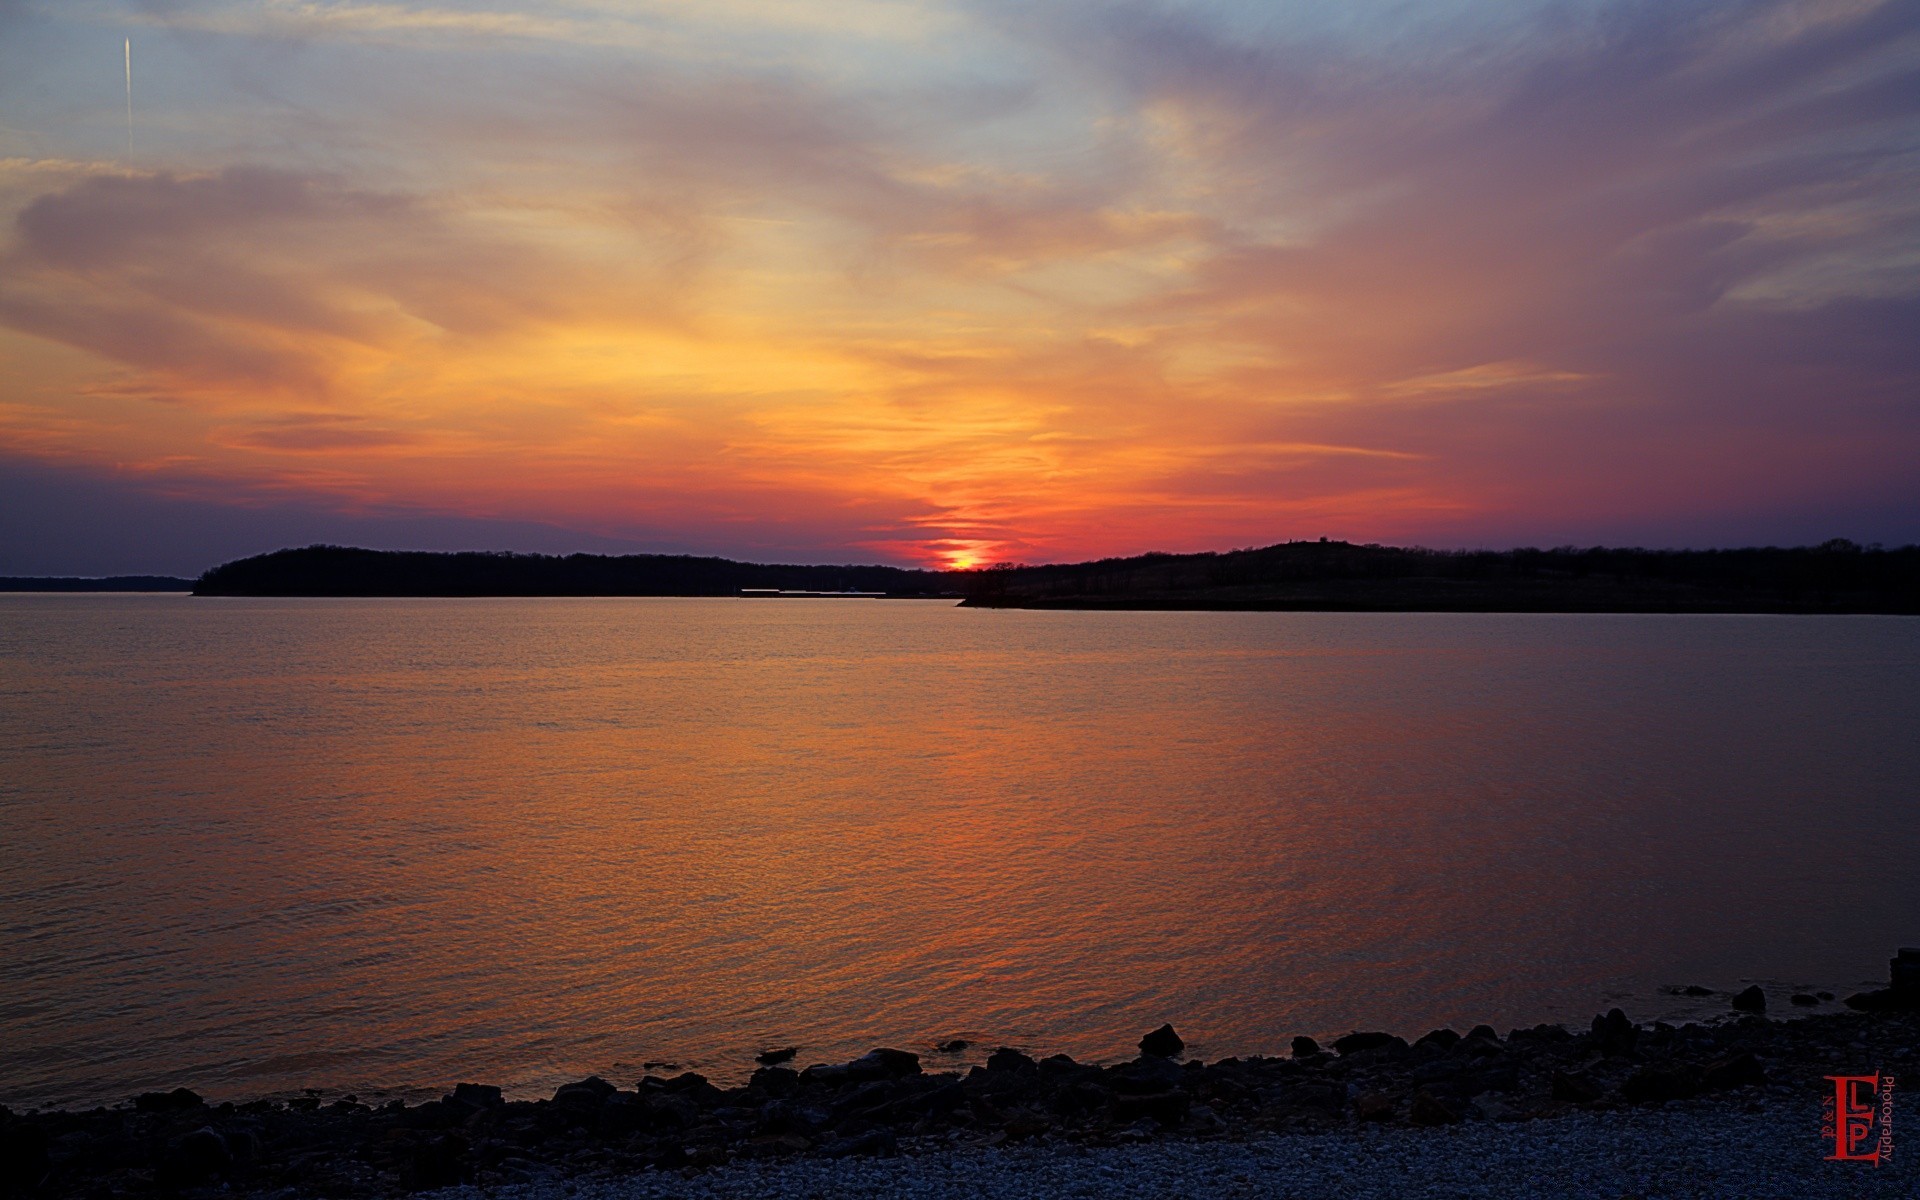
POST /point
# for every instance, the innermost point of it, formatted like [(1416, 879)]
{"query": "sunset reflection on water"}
[(258, 845)]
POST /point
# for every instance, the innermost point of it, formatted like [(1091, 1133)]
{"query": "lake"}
[(380, 846)]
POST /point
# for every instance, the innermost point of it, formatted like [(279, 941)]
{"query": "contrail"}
[(129, 101)]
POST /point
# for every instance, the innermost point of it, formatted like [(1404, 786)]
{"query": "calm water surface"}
[(252, 845)]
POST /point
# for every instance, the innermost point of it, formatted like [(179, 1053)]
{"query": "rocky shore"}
[(886, 1103)]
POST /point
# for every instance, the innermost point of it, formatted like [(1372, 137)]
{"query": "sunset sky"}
[(953, 282)]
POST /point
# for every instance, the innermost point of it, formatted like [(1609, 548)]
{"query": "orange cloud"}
[(1049, 284)]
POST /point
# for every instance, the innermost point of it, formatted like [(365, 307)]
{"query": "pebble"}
[(1676, 1152)]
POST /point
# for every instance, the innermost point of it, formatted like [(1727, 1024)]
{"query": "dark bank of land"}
[(1837, 577), (343, 571), (109, 583), (888, 1103)]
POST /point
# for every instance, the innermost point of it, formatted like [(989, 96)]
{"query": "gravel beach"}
[(1677, 1151), (1731, 1108)]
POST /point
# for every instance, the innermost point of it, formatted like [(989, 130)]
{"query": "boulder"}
[(773, 1058), (474, 1096), (873, 1141), (1575, 1087), (195, 1158), (1375, 1106), (437, 1162), (1144, 1075), (1904, 974), (1614, 1034), (953, 1045), (1751, 1000), (1304, 1046), (884, 1063), (1803, 1000), (585, 1096), (1429, 1109), (24, 1158), (1006, 1058), (1357, 1043), (1652, 1085), (1440, 1039), (1162, 1043), (177, 1100), (775, 1081), (1738, 1071), (1169, 1108)]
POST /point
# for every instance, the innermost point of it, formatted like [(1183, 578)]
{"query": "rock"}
[(243, 1144), (1429, 1109), (437, 1162), (874, 1141), (1483, 1033), (474, 1096), (1751, 1000), (1144, 1075), (867, 1096), (938, 1102), (1694, 989), (1491, 1077), (1374, 1106), (670, 1157), (1803, 1000), (1614, 1034), (884, 1063), (1824, 995), (1304, 1047), (1355, 1043), (1323, 1095), (1904, 973), (772, 1058), (1655, 1084), (1441, 1039), (195, 1158), (953, 1045), (24, 1160), (789, 1117), (1023, 1125), (177, 1100), (1738, 1071), (1162, 1043), (585, 1096), (1169, 1108), (775, 1081), (1006, 1058), (624, 1113), (1575, 1087)]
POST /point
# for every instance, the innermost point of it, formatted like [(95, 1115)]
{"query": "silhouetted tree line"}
[(1837, 576), (342, 571), (80, 583)]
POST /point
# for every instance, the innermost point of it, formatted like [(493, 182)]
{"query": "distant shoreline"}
[(84, 583), (1837, 577)]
